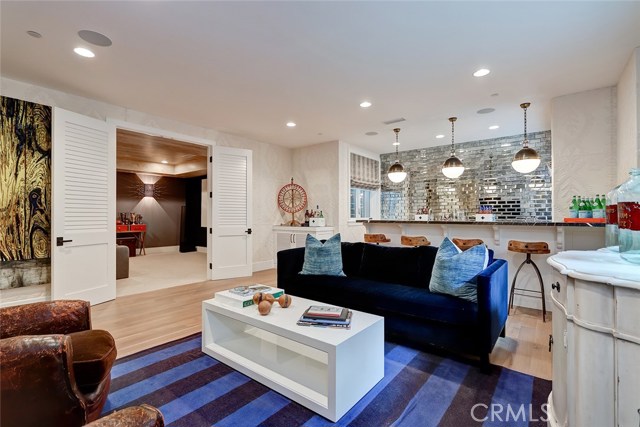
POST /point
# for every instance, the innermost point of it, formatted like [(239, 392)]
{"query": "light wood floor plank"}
[(141, 321)]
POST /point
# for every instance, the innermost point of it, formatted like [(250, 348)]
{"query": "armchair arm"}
[(42, 318), (37, 382), (133, 416), (493, 299)]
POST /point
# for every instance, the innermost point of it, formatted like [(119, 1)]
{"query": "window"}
[(365, 187)]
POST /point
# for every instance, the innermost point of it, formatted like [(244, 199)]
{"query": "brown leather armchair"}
[(133, 416), (55, 369)]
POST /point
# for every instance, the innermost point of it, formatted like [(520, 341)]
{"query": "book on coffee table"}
[(326, 312), (242, 296), (329, 323)]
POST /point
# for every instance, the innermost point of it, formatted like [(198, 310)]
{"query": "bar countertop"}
[(530, 223)]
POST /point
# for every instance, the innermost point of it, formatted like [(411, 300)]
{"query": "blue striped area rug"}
[(418, 389)]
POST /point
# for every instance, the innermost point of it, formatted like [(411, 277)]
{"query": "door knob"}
[(60, 241), (248, 231)]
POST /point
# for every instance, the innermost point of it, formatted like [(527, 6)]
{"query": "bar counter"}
[(560, 236)]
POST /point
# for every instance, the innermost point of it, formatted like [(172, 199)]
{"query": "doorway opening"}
[(162, 212)]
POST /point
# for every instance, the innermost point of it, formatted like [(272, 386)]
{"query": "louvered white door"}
[(232, 254), (83, 209)]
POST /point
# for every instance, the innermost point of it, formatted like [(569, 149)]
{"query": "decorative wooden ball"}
[(264, 307), (284, 301), (258, 297), (269, 297)]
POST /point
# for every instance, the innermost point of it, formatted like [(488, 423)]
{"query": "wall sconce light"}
[(396, 172), (527, 159), (452, 167), (149, 190)]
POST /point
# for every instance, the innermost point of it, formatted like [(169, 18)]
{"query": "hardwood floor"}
[(141, 321)]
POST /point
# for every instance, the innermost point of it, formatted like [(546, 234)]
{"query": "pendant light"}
[(527, 159), (452, 167), (396, 171)]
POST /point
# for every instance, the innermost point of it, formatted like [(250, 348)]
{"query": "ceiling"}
[(246, 68), (148, 154)]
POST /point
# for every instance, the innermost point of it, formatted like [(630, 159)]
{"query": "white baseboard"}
[(162, 250), (263, 265), (201, 249), (27, 300)]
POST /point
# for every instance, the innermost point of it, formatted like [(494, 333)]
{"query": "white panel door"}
[(232, 254), (83, 209)]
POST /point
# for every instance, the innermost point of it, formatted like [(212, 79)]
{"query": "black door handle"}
[(550, 341), (556, 286), (60, 241), (248, 231)]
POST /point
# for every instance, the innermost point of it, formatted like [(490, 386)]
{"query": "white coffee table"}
[(325, 369)]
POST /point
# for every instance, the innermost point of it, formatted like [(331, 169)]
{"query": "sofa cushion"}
[(455, 272), (406, 266), (94, 352), (352, 257), (385, 299), (323, 258)]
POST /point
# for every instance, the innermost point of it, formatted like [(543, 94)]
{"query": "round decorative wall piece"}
[(292, 199)]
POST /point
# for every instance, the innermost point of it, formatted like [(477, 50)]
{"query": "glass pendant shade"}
[(527, 159), (452, 167), (396, 172)]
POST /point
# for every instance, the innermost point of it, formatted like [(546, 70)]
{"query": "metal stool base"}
[(528, 260)]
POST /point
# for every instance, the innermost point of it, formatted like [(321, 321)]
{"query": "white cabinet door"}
[(299, 240), (559, 348), (83, 210), (232, 254)]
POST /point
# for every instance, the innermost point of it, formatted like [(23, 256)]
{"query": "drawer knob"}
[(556, 286)]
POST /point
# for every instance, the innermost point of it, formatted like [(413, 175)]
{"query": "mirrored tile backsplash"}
[(488, 180)]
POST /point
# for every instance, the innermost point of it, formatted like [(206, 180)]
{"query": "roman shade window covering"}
[(365, 172)]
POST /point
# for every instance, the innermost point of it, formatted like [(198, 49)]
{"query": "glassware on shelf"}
[(629, 217), (611, 219)]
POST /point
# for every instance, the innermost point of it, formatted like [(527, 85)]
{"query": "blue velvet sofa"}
[(394, 282)]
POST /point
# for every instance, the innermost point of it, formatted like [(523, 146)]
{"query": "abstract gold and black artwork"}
[(25, 180)]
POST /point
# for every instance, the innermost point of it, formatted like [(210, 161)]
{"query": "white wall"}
[(628, 150), (271, 164), (583, 131)]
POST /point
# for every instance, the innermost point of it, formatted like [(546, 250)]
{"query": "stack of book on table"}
[(242, 296), (326, 316)]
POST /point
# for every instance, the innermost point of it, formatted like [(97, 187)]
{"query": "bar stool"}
[(376, 238), (465, 244), (414, 241), (528, 248)]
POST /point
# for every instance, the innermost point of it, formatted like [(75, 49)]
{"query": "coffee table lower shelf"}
[(325, 370)]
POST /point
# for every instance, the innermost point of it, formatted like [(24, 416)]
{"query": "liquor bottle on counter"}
[(611, 218), (306, 217), (629, 217), (573, 208)]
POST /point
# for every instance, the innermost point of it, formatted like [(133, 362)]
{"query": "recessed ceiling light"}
[(365, 104), (164, 162), (371, 133), (481, 72), (84, 52), (34, 34), (486, 111), (440, 136), (291, 124), (494, 127), (495, 94), (94, 38)]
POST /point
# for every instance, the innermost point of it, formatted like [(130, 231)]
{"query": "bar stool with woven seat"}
[(376, 238), (529, 248), (414, 241)]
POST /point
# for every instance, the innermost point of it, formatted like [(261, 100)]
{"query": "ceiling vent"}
[(390, 122)]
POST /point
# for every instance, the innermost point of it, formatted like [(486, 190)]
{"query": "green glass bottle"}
[(582, 208), (573, 208)]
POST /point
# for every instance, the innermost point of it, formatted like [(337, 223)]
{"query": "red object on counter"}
[(585, 220), (120, 228), (138, 227)]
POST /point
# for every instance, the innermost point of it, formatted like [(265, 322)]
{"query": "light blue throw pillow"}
[(323, 258), (454, 271)]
